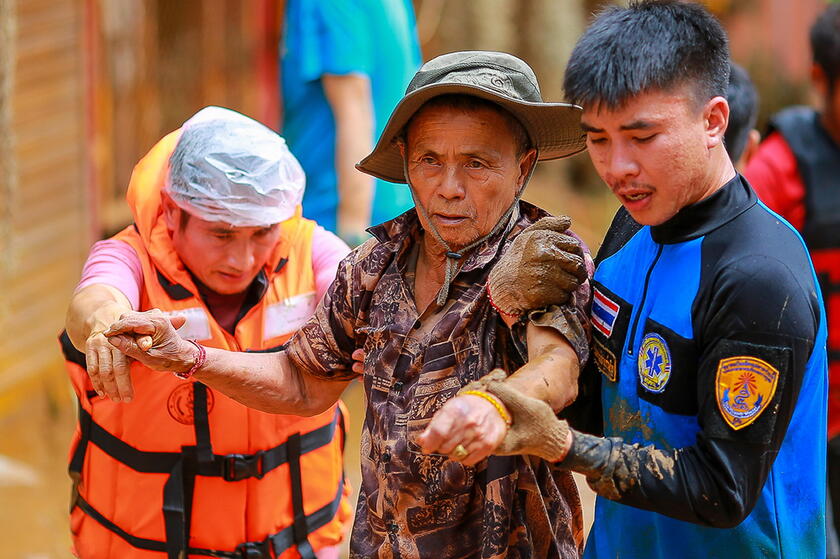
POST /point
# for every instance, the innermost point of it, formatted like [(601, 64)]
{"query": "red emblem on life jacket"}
[(180, 403)]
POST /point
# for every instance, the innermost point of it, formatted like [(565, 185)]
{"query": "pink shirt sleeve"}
[(327, 251), (116, 264)]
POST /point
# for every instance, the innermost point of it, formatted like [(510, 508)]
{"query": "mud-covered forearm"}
[(551, 373), (714, 483)]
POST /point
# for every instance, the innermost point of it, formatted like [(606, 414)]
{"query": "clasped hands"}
[(478, 427), (468, 427), (149, 337)]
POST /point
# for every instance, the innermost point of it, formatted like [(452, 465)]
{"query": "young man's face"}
[(224, 258), (655, 152)]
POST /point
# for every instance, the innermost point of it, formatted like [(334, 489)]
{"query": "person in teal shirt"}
[(344, 66)]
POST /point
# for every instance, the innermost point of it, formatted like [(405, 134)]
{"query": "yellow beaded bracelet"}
[(493, 400)]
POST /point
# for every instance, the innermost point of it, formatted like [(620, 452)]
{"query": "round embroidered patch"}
[(654, 363), (180, 403), (744, 387)]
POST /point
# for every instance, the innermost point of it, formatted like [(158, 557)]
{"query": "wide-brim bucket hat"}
[(554, 128)]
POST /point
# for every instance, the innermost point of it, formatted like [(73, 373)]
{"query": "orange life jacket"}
[(183, 470)]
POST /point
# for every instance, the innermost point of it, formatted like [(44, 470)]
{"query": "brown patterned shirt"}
[(414, 505)]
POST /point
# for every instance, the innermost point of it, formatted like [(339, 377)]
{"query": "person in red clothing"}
[(796, 172)]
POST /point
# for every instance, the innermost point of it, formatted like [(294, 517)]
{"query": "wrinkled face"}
[(655, 152), (224, 258), (464, 169)]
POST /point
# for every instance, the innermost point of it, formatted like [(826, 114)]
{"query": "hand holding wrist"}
[(194, 358), (495, 402), (534, 427)]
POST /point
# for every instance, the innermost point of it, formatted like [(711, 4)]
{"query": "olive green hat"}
[(554, 128)]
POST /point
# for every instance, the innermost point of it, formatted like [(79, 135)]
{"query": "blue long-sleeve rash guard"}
[(709, 348)]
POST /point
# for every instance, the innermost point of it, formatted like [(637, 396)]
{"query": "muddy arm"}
[(716, 483), (717, 480)]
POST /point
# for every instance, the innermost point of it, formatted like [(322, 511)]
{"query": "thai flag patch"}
[(604, 313)]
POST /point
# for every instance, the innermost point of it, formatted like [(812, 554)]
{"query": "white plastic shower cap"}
[(228, 167)]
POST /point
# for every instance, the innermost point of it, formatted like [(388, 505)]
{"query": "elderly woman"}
[(433, 302)]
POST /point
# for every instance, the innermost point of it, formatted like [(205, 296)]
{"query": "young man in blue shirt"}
[(708, 330)]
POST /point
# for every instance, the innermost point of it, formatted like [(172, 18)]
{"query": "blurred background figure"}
[(161, 463), (345, 65), (796, 172), (741, 138)]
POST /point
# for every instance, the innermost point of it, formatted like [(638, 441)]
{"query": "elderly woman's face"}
[(464, 169)]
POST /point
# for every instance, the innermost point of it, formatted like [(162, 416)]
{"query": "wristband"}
[(495, 306), (493, 400), (199, 361)]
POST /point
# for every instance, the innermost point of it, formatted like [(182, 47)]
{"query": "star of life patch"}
[(654, 363), (604, 313), (605, 360), (744, 386)]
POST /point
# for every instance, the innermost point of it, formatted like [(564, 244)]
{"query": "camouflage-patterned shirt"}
[(414, 505)]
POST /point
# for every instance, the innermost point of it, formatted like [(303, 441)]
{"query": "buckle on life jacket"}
[(254, 550), (243, 466)]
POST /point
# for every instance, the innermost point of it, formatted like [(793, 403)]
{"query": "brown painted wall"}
[(43, 233)]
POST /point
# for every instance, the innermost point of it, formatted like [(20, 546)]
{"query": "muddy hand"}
[(543, 266), (535, 429), (150, 337)]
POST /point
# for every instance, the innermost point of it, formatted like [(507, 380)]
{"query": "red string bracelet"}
[(493, 304), (199, 361)]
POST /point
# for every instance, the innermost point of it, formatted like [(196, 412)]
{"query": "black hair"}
[(464, 102), (743, 111), (650, 45), (825, 43)]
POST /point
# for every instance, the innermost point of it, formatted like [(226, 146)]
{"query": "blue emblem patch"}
[(654, 363)]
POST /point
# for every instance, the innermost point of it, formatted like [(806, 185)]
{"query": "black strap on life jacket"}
[(174, 514), (299, 527), (231, 467), (272, 546), (78, 458), (184, 466), (180, 487)]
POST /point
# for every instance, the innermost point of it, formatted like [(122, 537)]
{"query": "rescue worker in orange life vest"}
[(173, 468)]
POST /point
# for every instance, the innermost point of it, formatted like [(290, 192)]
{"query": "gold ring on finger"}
[(460, 452)]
